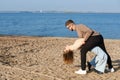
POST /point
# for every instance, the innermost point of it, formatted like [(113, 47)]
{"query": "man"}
[(91, 40)]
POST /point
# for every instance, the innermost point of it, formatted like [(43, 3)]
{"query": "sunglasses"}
[(69, 26)]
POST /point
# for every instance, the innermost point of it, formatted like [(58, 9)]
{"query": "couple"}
[(90, 41)]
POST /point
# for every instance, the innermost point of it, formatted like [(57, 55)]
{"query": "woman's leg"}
[(102, 46), (100, 60), (109, 62)]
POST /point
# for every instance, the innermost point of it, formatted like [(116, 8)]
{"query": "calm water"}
[(52, 24)]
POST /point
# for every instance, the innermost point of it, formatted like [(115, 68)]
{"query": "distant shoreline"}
[(57, 12)]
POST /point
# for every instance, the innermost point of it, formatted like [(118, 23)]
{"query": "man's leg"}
[(83, 62)]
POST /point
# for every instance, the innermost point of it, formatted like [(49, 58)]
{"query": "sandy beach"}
[(40, 58)]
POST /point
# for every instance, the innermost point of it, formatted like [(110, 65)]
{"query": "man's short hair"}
[(69, 22)]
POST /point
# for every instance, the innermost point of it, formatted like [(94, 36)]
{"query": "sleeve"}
[(87, 32)]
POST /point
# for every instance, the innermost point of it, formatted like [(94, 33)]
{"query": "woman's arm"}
[(77, 44)]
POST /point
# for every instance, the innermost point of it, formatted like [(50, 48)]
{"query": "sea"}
[(53, 24)]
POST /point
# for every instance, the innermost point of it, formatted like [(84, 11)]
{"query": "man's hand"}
[(83, 41)]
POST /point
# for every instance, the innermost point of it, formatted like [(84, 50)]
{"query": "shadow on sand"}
[(116, 64)]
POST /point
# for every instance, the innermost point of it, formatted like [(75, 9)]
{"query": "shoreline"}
[(12, 36)]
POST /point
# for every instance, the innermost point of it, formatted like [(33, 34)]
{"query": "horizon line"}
[(54, 11)]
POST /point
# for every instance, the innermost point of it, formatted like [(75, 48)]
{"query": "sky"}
[(61, 5)]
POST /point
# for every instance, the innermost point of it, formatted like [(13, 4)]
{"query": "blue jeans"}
[(100, 60)]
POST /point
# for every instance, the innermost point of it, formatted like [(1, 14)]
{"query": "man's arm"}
[(88, 32)]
